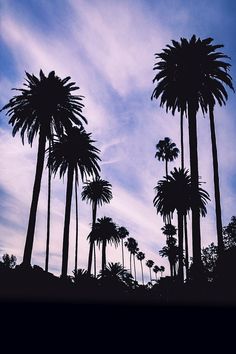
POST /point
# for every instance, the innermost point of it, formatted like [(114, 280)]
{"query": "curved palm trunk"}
[(65, 249), (135, 277), (48, 213), (92, 245), (181, 239), (142, 272), (76, 227), (103, 256), (196, 234), (216, 183), (34, 203)]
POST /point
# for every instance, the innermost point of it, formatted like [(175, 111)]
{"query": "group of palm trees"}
[(191, 76)]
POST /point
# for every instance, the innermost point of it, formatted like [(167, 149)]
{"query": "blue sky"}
[(108, 48)]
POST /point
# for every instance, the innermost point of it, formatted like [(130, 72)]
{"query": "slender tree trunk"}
[(34, 203), (182, 166), (130, 263), (180, 237), (142, 272), (150, 275), (216, 183), (94, 259), (174, 268), (171, 269), (196, 234), (103, 256), (122, 247), (76, 227), (166, 168), (94, 214), (65, 249), (135, 276), (48, 212)]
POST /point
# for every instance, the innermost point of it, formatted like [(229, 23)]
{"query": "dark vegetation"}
[(191, 75)]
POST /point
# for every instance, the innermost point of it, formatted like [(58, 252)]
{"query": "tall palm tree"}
[(132, 246), (96, 192), (175, 193), (104, 232), (46, 104), (75, 154), (191, 76), (166, 151), (171, 251), (149, 264), (123, 233), (141, 257)]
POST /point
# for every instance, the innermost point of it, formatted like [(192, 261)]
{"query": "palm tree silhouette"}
[(149, 264), (162, 269), (46, 104), (73, 153), (104, 232), (132, 246), (95, 192), (185, 75), (175, 193), (166, 151), (169, 230), (156, 269), (171, 251), (123, 233), (141, 257)]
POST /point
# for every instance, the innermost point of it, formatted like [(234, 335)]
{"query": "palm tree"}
[(132, 246), (104, 232), (46, 104), (189, 77), (73, 153), (149, 264), (175, 193), (156, 269), (162, 269), (95, 192), (171, 251), (140, 257), (166, 151), (123, 233), (169, 230)]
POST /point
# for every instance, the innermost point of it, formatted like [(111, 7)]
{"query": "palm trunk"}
[(103, 256), (150, 275), (94, 213), (142, 272), (34, 203), (65, 249), (166, 168), (130, 263), (196, 234), (216, 183), (180, 237), (94, 259), (186, 245), (135, 277), (122, 247), (76, 227), (48, 212), (171, 269)]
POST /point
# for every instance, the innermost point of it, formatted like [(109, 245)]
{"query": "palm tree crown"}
[(97, 191), (140, 256), (45, 103), (191, 70), (166, 151)]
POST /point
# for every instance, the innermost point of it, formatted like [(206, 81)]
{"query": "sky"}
[(107, 48)]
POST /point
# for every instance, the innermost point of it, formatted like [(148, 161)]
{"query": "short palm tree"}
[(45, 105), (141, 257), (75, 154), (175, 193), (156, 269), (162, 269), (96, 192), (104, 232), (123, 233), (166, 151), (149, 264), (132, 246), (171, 251), (190, 75)]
